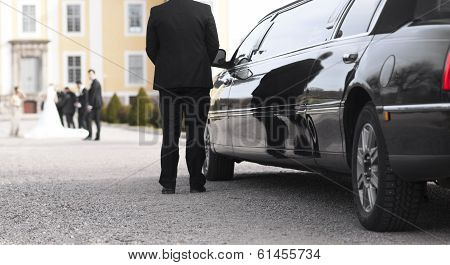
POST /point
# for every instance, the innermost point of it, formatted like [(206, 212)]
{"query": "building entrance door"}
[(30, 77)]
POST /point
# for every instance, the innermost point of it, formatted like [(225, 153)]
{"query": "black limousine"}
[(360, 87)]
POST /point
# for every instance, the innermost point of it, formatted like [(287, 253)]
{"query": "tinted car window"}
[(432, 9), (251, 44), (358, 18), (298, 28)]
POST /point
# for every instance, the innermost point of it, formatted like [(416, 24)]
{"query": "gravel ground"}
[(73, 192)]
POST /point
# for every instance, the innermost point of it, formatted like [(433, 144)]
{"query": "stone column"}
[(15, 65), (44, 67)]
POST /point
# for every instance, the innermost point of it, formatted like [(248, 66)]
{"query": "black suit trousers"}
[(94, 114), (69, 120), (192, 104), (81, 119)]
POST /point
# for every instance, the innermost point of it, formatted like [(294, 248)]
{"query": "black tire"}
[(216, 167), (397, 202)]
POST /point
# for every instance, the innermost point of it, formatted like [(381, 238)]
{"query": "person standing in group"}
[(16, 112), (94, 105), (68, 106), (81, 105), (182, 42), (60, 105)]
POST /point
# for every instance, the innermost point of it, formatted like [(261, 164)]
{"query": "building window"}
[(74, 69), (73, 16), (135, 15), (136, 69), (29, 18)]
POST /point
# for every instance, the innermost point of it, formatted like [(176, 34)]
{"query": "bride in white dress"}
[(49, 124)]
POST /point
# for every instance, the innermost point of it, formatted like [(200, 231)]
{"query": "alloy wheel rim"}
[(367, 168)]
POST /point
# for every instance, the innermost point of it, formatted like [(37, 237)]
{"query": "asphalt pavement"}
[(75, 192)]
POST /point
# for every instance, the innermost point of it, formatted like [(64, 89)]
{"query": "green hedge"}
[(113, 110), (144, 111), (124, 113), (104, 114), (154, 115)]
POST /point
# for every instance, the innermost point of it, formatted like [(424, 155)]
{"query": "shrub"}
[(103, 116), (124, 114), (154, 116), (138, 115), (144, 111), (112, 112)]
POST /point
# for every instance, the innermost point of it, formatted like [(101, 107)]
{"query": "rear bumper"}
[(421, 168), (418, 140)]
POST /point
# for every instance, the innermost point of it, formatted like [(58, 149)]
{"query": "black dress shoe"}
[(166, 191), (89, 138), (97, 139), (198, 190)]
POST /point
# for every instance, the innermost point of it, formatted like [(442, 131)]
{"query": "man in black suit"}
[(60, 105), (68, 106), (182, 42), (82, 105), (94, 106)]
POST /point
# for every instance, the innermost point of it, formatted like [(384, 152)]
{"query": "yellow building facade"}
[(46, 42)]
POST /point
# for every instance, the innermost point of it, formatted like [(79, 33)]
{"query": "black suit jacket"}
[(95, 95), (60, 103), (83, 99), (68, 105), (182, 42)]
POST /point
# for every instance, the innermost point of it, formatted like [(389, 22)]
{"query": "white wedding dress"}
[(49, 124)]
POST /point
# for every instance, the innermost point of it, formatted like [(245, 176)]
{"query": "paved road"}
[(73, 192)]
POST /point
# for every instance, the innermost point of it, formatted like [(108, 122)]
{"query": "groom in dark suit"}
[(182, 42), (94, 107)]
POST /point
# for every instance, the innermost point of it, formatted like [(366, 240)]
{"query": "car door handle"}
[(350, 58)]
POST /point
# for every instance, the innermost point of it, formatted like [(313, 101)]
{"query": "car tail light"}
[(446, 79)]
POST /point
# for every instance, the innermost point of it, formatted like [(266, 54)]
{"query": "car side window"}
[(358, 18), (337, 11), (300, 27), (251, 44)]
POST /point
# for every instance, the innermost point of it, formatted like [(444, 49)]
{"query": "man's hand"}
[(89, 107)]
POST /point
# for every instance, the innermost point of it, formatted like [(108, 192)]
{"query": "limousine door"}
[(247, 130), (218, 127), (338, 59), (268, 109), (245, 115), (287, 58)]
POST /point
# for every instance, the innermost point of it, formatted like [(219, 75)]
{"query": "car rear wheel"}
[(383, 200), (216, 166)]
